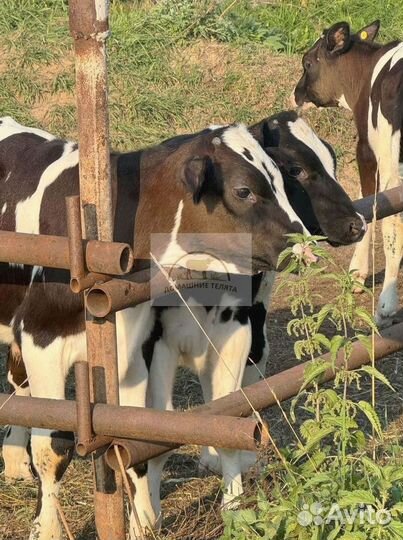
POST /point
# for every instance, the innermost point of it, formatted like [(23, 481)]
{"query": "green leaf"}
[(396, 527), (373, 372), (397, 509), (371, 467), (321, 434), (353, 536), (365, 316), (323, 340), (333, 534), (372, 416), (355, 497), (396, 475), (312, 371), (319, 478), (323, 313), (336, 344), (283, 255)]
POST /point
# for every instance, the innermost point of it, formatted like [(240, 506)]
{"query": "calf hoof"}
[(231, 501), (17, 464), (359, 286), (48, 530), (20, 472), (209, 461), (383, 321)]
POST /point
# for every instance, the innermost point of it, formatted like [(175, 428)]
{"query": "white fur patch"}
[(27, 212), (343, 103), (394, 55), (4, 208), (239, 139), (304, 133), (174, 252), (8, 127)]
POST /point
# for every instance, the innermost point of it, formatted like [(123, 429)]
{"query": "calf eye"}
[(296, 171), (307, 64), (243, 193)]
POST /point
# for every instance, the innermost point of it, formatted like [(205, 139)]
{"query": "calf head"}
[(333, 66), (308, 166), (225, 196)]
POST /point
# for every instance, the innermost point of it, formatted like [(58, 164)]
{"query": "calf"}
[(353, 71), (219, 181)]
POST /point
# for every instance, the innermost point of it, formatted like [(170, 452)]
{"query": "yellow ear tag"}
[(363, 35)]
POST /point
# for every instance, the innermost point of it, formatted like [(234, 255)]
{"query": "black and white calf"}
[(219, 181), (308, 166), (351, 70)]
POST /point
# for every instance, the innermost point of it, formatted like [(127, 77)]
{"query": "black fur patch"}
[(63, 445), (257, 314), (226, 315), (149, 344), (241, 314), (247, 154), (141, 470)]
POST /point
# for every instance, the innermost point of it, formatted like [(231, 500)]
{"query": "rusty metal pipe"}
[(118, 294), (259, 438), (89, 27), (81, 284), (109, 257), (108, 420), (83, 403), (87, 442), (53, 252), (112, 421), (74, 233)]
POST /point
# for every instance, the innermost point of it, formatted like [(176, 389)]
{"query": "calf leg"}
[(17, 461), (367, 166), (392, 230), (392, 227), (51, 450), (131, 326), (161, 377), (222, 375)]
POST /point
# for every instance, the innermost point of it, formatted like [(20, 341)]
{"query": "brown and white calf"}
[(220, 181), (352, 70)]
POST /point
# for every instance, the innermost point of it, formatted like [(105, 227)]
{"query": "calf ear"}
[(195, 175), (369, 33), (266, 132), (338, 38)]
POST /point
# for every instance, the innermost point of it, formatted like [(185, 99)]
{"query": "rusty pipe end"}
[(82, 449), (126, 452), (80, 284), (126, 259), (261, 435), (99, 301), (86, 447)]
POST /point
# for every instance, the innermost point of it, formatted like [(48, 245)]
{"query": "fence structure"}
[(95, 262)]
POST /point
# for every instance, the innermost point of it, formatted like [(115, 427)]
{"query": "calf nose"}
[(357, 228)]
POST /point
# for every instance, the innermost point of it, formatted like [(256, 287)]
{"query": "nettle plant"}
[(329, 484)]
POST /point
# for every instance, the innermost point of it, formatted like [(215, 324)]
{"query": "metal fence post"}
[(89, 27)]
